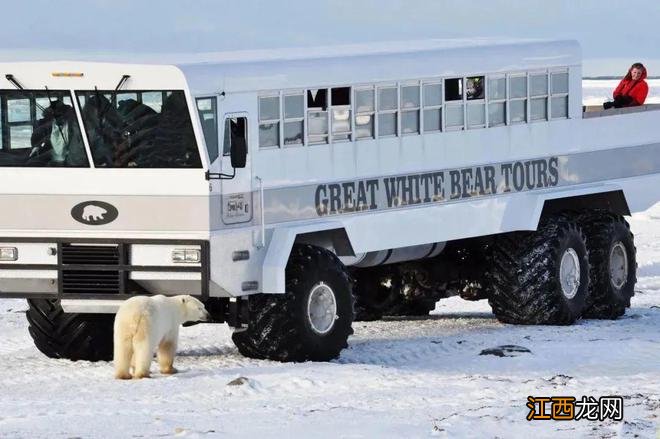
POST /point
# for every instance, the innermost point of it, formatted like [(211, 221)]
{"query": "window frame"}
[(309, 109), (511, 99), (483, 101), (373, 113), (331, 108), (269, 121), (504, 100), (545, 96), (214, 109), (395, 111), (437, 107), (443, 107), (417, 109), (453, 103), (566, 95), (284, 119)]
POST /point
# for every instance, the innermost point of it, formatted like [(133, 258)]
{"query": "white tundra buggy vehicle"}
[(294, 192)]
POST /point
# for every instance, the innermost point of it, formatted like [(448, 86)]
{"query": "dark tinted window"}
[(39, 129), (148, 129), (208, 116)]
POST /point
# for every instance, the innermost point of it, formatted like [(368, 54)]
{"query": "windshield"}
[(139, 129), (39, 128)]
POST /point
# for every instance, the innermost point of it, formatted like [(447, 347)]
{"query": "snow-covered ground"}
[(398, 378)]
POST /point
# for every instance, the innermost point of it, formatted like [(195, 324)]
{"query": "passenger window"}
[(294, 119), (539, 94), (518, 87), (497, 88), (388, 105), (476, 114), (518, 110), (454, 89), (410, 106), (341, 113), (454, 116), (364, 117), (518, 99), (317, 116), (269, 121), (559, 98), (208, 116), (432, 107), (496, 101), (474, 88)]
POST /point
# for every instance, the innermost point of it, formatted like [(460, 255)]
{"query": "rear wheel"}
[(613, 265), (540, 277), (311, 320), (72, 336)]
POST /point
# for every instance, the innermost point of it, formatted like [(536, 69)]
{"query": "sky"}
[(613, 33)]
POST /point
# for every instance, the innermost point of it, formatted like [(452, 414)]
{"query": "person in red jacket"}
[(632, 89)]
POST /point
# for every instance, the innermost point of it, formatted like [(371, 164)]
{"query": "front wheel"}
[(311, 320), (72, 336), (542, 277)]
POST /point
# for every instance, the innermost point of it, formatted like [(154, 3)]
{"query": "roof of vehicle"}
[(274, 69), (376, 62)]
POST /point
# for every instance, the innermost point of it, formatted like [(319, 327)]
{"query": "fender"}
[(279, 249)]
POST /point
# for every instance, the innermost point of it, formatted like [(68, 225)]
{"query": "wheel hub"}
[(321, 308), (569, 273), (618, 265)]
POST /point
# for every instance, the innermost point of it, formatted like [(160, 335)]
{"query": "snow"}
[(399, 378)]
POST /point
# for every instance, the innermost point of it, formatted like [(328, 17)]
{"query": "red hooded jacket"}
[(637, 90)]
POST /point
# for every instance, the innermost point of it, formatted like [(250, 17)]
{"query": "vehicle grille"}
[(88, 269)]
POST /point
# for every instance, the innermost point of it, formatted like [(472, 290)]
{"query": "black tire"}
[(72, 336), (279, 327), (524, 279), (609, 298)]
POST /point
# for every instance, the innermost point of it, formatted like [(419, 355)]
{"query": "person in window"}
[(56, 139), (632, 90), (474, 88)]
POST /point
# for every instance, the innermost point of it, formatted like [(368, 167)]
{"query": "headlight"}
[(186, 256), (8, 254)]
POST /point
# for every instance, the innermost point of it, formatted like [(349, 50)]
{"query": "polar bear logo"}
[(92, 213)]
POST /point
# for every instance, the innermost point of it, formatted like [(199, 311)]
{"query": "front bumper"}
[(111, 269)]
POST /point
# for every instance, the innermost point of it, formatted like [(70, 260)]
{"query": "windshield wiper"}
[(14, 82), (113, 97), (25, 93)]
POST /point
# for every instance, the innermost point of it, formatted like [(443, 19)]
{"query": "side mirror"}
[(238, 152)]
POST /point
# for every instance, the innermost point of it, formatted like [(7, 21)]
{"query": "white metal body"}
[(590, 155)]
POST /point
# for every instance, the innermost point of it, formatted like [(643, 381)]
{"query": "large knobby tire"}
[(311, 320), (72, 336), (526, 269), (612, 255)]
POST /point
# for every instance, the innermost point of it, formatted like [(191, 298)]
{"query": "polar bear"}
[(93, 213), (144, 324)]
